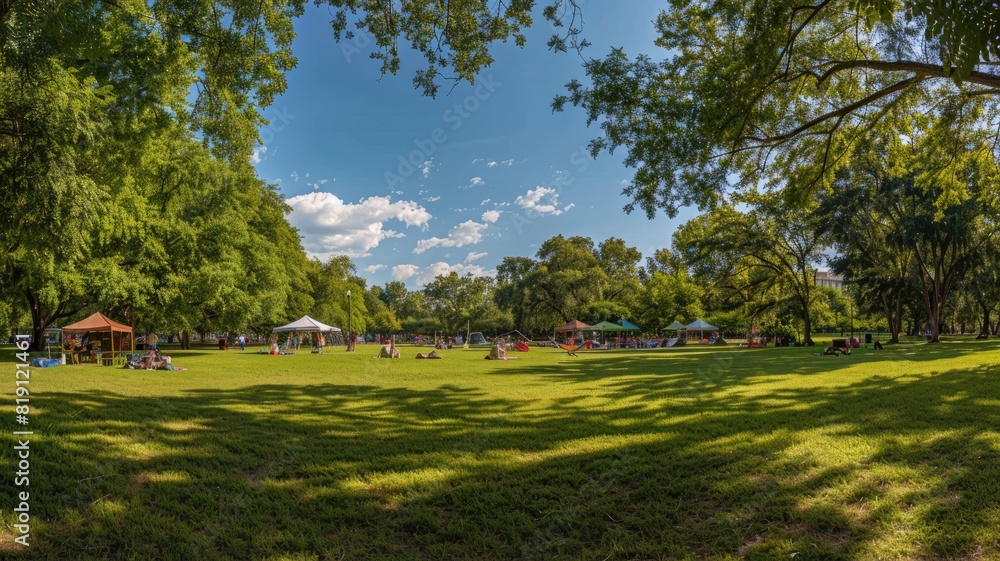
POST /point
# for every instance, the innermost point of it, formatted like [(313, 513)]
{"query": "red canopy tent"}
[(100, 323), (573, 328)]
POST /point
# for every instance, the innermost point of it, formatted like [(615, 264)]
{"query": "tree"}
[(778, 91), (983, 284), (394, 295), (457, 300), (568, 276), (914, 207), (621, 265), (869, 252), (603, 310), (666, 298), (768, 245), (415, 315), (385, 321), (511, 290), (330, 282)]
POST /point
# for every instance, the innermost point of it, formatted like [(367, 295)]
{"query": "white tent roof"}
[(305, 323), (700, 324)]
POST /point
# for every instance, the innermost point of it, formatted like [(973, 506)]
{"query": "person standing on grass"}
[(243, 342), (319, 343)]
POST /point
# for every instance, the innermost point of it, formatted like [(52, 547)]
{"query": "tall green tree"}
[(915, 208), (768, 245), (666, 298), (566, 277), (455, 300), (779, 91), (330, 282)]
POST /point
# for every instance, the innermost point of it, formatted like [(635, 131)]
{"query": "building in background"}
[(826, 278)]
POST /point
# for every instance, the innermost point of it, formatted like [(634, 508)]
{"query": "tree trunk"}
[(895, 322), (37, 327), (807, 326), (185, 341), (984, 331)]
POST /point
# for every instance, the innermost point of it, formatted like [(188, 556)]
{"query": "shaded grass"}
[(682, 453)]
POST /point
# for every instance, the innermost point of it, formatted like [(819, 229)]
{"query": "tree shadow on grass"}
[(697, 373), (882, 467)]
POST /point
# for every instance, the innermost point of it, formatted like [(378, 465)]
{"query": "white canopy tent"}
[(305, 324), (701, 327)]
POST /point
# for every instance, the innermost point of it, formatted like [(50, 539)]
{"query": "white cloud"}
[(403, 272), (491, 216), (318, 184), (466, 233), (431, 271), (374, 268), (485, 201), (491, 165), (295, 175), (474, 182), (425, 168), (432, 199), (507, 162), (542, 200), (255, 158), (477, 160), (473, 256), (329, 226)]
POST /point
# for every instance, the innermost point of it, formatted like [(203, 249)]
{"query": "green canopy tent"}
[(604, 327), (676, 327)]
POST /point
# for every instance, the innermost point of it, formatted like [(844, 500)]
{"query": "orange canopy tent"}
[(573, 328), (100, 323)]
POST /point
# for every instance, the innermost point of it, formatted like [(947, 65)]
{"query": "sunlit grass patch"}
[(701, 452)]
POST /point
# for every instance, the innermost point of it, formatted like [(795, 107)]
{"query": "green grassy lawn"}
[(702, 452)]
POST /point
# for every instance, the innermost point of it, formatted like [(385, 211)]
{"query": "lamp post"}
[(350, 312), (850, 307)]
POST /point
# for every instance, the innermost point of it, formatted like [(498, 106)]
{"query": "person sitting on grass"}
[(432, 354), (837, 351), (390, 350), (499, 351)]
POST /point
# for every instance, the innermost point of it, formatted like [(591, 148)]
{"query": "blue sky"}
[(411, 187)]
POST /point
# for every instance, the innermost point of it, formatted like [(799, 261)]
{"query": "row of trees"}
[(862, 131)]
